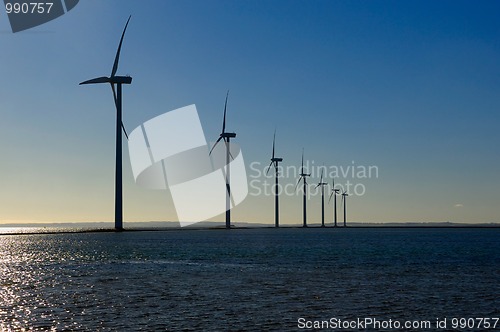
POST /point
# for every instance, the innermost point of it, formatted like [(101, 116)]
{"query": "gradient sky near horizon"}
[(411, 87)]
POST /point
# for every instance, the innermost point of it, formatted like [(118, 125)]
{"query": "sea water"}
[(246, 279)]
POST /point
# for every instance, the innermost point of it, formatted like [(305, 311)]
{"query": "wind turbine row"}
[(116, 83), (303, 176)]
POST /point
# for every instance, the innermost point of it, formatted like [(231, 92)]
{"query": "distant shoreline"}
[(68, 229)]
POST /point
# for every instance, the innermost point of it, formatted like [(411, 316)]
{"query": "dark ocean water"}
[(249, 279)]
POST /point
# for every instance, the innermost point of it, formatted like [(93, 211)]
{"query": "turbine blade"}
[(274, 140), (330, 197), (302, 167), (300, 178), (269, 167), (213, 147), (321, 180), (97, 80), (117, 57), (114, 95), (124, 131), (227, 147), (116, 105), (224, 119)]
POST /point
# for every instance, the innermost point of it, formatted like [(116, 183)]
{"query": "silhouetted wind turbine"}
[(322, 184), (303, 177), (334, 193), (275, 161), (344, 203), (118, 80), (226, 137)]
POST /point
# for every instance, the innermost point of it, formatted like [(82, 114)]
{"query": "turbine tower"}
[(275, 161), (303, 177), (117, 95), (334, 193), (322, 184), (226, 137), (344, 203)]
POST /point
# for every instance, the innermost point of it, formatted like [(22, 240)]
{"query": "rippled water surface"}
[(250, 279)]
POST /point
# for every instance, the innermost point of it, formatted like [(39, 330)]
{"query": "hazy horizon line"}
[(177, 223)]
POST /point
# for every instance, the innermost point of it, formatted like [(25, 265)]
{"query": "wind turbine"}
[(344, 202), (117, 95), (334, 193), (275, 161), (322, 184), (303, 177), (226, 137)]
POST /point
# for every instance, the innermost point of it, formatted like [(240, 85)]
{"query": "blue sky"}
[(409, 86)]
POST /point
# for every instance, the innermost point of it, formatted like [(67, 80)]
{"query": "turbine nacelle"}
[(121, 80), (279, 160), (228, 135)]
